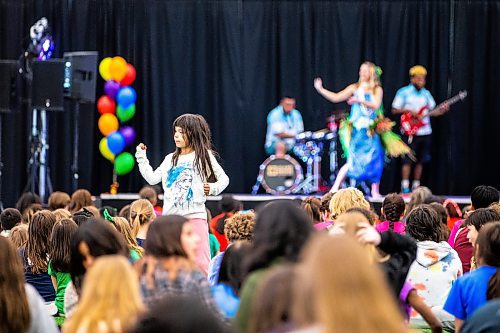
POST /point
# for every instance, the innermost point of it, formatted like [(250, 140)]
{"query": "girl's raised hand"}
[(318, 83), (142, 146)]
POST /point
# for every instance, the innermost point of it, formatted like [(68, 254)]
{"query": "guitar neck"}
[(450, 101)]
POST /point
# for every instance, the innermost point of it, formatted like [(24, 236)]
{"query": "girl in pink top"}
[(393, 209)]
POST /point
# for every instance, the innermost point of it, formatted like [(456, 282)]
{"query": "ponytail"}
[(494, 286)]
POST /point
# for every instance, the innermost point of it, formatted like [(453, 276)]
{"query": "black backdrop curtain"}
[(232, 60)]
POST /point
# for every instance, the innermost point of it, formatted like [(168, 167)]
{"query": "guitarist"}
[(412, 99)]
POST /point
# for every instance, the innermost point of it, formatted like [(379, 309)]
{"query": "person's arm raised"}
[(333, 96)]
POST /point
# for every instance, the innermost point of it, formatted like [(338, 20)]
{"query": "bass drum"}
[(280, 175)]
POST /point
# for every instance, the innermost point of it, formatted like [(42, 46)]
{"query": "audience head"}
[(110, 297), (26, 200), (60, 240), (93, 239), (452, 208), (419, 196), (228, 204), (62, 213), (58, 200), (393, 207), (9, 218), (281, 230), (422, 223), (325, 206), (231, 268), (19, 236), (82, 216), (30, 211), (443, 220), (38, 245), (141, 213), (476, 220), (312, 207), (240, 226), (111, 212), (370, 216), (149, 193), (180, 314), (349, 224), (171, 236), (121, 224), (125, 212), (345, 199), (482, 196), (79, 199), (272, 306), (338, 288), (488, 253), (15, 310)]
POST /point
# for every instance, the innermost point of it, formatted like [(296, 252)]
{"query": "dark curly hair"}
[(393, 207), (422, 223), (480, 217)]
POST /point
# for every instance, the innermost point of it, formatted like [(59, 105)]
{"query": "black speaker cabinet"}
[(80, 75), (8, 83), (47, 86)]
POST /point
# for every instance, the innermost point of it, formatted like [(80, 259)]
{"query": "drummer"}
[(284, 122)]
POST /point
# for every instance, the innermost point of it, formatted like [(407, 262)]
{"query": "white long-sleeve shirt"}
[(182, 184)]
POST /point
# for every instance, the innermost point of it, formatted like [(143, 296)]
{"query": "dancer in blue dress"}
[(365, 154)]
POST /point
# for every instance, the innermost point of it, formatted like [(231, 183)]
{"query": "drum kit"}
[(284, 175)]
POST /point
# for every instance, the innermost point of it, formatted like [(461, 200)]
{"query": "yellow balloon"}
[(118, 68), (104, 68), (103, 148)]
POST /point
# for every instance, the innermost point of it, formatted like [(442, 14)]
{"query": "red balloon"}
[(129, 76), (105, 104)]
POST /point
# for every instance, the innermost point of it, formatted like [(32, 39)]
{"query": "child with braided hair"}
[(393, 209)]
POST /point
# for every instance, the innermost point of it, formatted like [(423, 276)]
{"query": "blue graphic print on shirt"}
[(179, 181)]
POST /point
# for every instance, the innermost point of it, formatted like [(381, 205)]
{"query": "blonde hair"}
[(346, 293), (19, 235), (350, 224), (110, 297), (418, 70), (345, 199), (62, 213), (141, 212), (374, 80), (121, 224)]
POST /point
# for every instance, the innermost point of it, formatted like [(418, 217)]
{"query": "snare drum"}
[(280, 175)]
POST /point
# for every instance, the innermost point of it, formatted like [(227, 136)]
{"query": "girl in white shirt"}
[(187, 176)]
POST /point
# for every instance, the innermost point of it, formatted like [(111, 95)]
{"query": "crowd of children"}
[(330, 264)]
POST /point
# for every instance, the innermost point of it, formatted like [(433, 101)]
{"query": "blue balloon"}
[(126, 97), (116, 142)]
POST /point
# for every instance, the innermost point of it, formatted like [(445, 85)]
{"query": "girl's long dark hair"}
[(60, 253), (197, 134), (488, 252), (38, 245), (101, 238), (281, 230)]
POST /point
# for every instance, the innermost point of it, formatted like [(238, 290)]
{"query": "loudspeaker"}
[(47, 85), (8, 84), (80, 75)]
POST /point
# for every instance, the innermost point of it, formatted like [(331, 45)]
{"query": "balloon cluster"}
[(117, 107)]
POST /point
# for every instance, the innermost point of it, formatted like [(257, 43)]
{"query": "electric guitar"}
[(410, 124)]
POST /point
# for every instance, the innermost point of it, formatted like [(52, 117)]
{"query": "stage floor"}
[(249, 201)]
